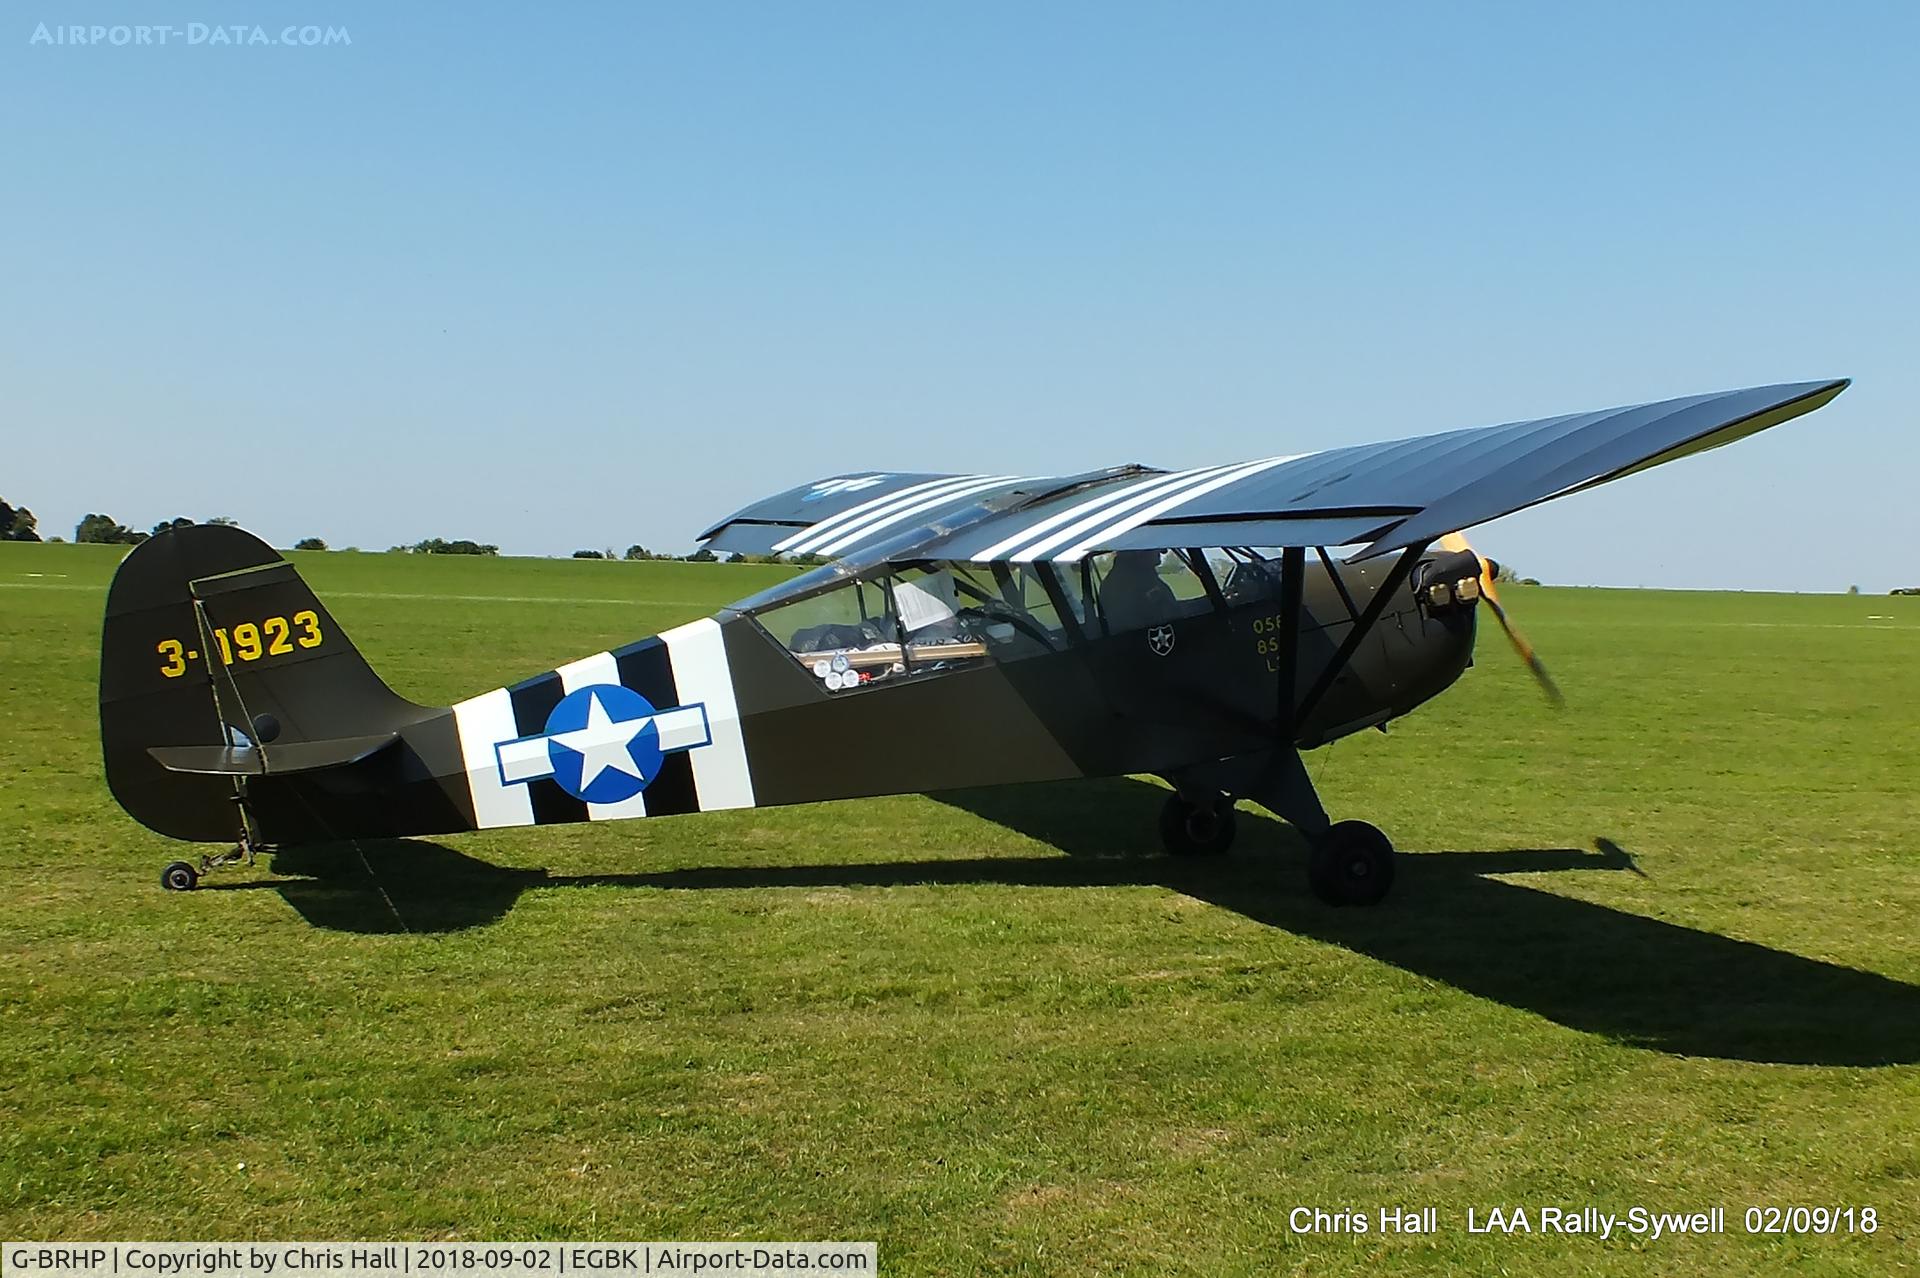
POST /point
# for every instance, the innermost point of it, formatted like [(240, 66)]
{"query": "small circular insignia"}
[(603, 743)]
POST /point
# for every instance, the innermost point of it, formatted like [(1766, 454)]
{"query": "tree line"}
[(106, 529), (17, 523), (702, 556)]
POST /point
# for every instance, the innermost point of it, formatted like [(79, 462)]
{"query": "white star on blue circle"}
[(603, 743)]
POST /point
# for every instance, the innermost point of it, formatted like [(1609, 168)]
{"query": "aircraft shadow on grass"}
[(1585, 966)]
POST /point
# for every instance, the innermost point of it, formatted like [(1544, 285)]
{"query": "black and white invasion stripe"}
[(681, 667)]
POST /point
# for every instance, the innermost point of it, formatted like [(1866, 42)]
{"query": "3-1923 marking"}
[(248, 641)]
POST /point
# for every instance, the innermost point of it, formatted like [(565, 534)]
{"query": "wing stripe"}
[(1118, 502), (893, 517), (798, 542), (1180, 498), (1095, 502)]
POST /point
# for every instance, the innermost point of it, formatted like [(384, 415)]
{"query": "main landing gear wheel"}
[(180, 876), (1197, 829), (1351, 864)]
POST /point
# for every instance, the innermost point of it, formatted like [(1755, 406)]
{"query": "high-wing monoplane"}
[(1205, 625)]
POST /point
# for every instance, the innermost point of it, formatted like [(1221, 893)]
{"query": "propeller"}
[(1488, 571)]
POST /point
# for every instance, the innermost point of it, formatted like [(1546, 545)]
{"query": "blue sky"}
[(586, 280)]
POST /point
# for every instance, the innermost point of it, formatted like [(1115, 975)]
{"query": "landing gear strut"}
[(1197, 827), (184, 876), (1347, 864)]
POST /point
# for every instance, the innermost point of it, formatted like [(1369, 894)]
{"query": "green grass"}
[(996, 1032)]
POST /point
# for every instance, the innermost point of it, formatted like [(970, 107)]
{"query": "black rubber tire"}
[(1197, 829), (179, 876), (1351, 864)]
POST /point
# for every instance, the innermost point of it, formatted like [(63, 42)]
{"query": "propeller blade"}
[(1525, 649), (1488, 570)]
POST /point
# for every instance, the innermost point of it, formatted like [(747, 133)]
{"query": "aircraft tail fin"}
[(218, 662)]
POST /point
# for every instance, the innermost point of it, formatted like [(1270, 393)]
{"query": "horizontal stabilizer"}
[(280, 760)]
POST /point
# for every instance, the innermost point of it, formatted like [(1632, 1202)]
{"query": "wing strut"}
[(1339, 583), (1361, 628), (1293, 575)]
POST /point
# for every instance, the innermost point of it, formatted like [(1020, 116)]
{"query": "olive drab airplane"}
[(968, 630)]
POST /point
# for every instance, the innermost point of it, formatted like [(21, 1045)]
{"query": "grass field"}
[(998, 1031)]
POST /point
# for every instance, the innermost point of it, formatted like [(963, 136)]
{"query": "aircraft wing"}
[(1385, 496)]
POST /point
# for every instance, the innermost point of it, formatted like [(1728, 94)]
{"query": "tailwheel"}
[(1203, 828), (180, 876), (1351, 864)]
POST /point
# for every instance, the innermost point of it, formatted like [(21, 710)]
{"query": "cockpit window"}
[(1134, 589), (1245, 576), (850, 616), (905, 622), (854, 627), (1026, 589)]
